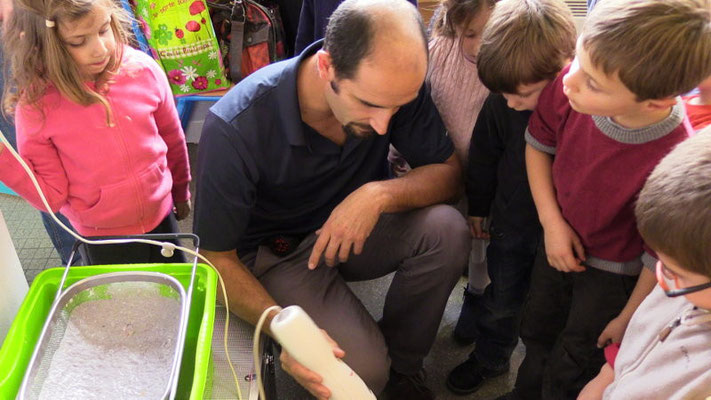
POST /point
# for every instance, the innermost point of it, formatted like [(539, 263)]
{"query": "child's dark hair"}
[(525, 42), (452, 14), (674, 207)]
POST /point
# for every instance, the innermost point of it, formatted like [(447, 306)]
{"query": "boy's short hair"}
[(525, 42), (659, 48), (674, 207)]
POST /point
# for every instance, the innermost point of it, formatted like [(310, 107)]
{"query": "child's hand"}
[(613, 332), (476, 227), (596, 387), (564, 249), (182, 210)]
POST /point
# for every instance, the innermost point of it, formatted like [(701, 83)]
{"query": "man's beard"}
[(358, 130)]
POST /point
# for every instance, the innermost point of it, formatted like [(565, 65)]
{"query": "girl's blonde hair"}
[(36, 57)]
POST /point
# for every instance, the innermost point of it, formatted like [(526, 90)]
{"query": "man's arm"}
[(248, 299), (353, 219), (563, 247)]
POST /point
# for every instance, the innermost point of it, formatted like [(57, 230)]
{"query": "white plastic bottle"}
[(299, 335)]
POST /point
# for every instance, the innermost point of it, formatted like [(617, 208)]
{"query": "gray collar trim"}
[(647, 134)]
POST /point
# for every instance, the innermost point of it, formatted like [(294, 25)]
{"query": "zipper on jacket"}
[(129, 161)]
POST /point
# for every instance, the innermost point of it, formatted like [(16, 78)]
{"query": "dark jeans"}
[(563, 316), (133, 253), (60, 238), (510, 260)]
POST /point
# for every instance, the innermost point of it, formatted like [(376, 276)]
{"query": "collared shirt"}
[(262, 171)]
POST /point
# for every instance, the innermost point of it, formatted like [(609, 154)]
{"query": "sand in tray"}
[(120, 348)]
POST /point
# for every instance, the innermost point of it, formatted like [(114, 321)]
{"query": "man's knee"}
[(373, 368), (445, 230)]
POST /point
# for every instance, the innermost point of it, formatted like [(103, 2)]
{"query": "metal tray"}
[(101, 338)]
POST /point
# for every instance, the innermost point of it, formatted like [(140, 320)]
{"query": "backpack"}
[(250, 35)]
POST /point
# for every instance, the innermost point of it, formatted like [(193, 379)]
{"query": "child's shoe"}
[(468, 376)]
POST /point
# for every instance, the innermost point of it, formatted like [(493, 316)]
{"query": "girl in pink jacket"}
[(96, 122)]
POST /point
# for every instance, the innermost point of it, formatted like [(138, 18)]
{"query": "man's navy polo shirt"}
[(262, 171)]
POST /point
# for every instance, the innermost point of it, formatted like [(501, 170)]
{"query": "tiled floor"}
[(29, 237)]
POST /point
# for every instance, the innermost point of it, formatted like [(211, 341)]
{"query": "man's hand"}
[(476, 227), (182, 210), (310, 380), (347, 227), (564, 249)]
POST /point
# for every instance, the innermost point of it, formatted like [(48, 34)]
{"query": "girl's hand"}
[(476, 227), (182, 210), (5, 13)]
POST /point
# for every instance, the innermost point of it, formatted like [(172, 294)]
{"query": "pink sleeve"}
[(611, 351), (41, 156), (170, 129), (549, 116)]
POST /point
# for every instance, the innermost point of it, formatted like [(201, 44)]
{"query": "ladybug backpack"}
[(250, 35)]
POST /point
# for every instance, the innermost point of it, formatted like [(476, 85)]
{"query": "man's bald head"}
[(390, 30)]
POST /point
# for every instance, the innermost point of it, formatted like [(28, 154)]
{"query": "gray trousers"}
[(426, 248)]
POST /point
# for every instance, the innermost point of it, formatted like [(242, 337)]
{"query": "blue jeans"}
[(61, 240), (510, 258)]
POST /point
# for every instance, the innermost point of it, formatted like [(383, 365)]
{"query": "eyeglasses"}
[(664, 274)]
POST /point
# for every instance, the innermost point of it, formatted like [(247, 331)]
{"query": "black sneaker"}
[(468, 376), (407, 387), (465, 332)]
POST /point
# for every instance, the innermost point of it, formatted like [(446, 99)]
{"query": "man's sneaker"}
[(408, 387), (465, 332), (468, 376)]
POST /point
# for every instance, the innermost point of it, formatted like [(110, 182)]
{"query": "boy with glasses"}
[(667, 346)]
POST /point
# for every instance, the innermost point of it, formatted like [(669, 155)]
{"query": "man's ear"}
[(660, 104), (325, 66)]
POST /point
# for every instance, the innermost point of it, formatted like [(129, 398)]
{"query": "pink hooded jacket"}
[(114, 180)]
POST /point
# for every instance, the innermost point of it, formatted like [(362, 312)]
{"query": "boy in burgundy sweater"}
[(599, 130)]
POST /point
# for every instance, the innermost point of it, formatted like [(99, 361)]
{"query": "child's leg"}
[(465, 331), (60, 238), (478, 270), (598, 297), (510, 256), (543, 318)]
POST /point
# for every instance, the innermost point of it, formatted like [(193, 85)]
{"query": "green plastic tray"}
[(20, 341)]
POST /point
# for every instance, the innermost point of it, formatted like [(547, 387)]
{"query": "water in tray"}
[(119, 343)]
